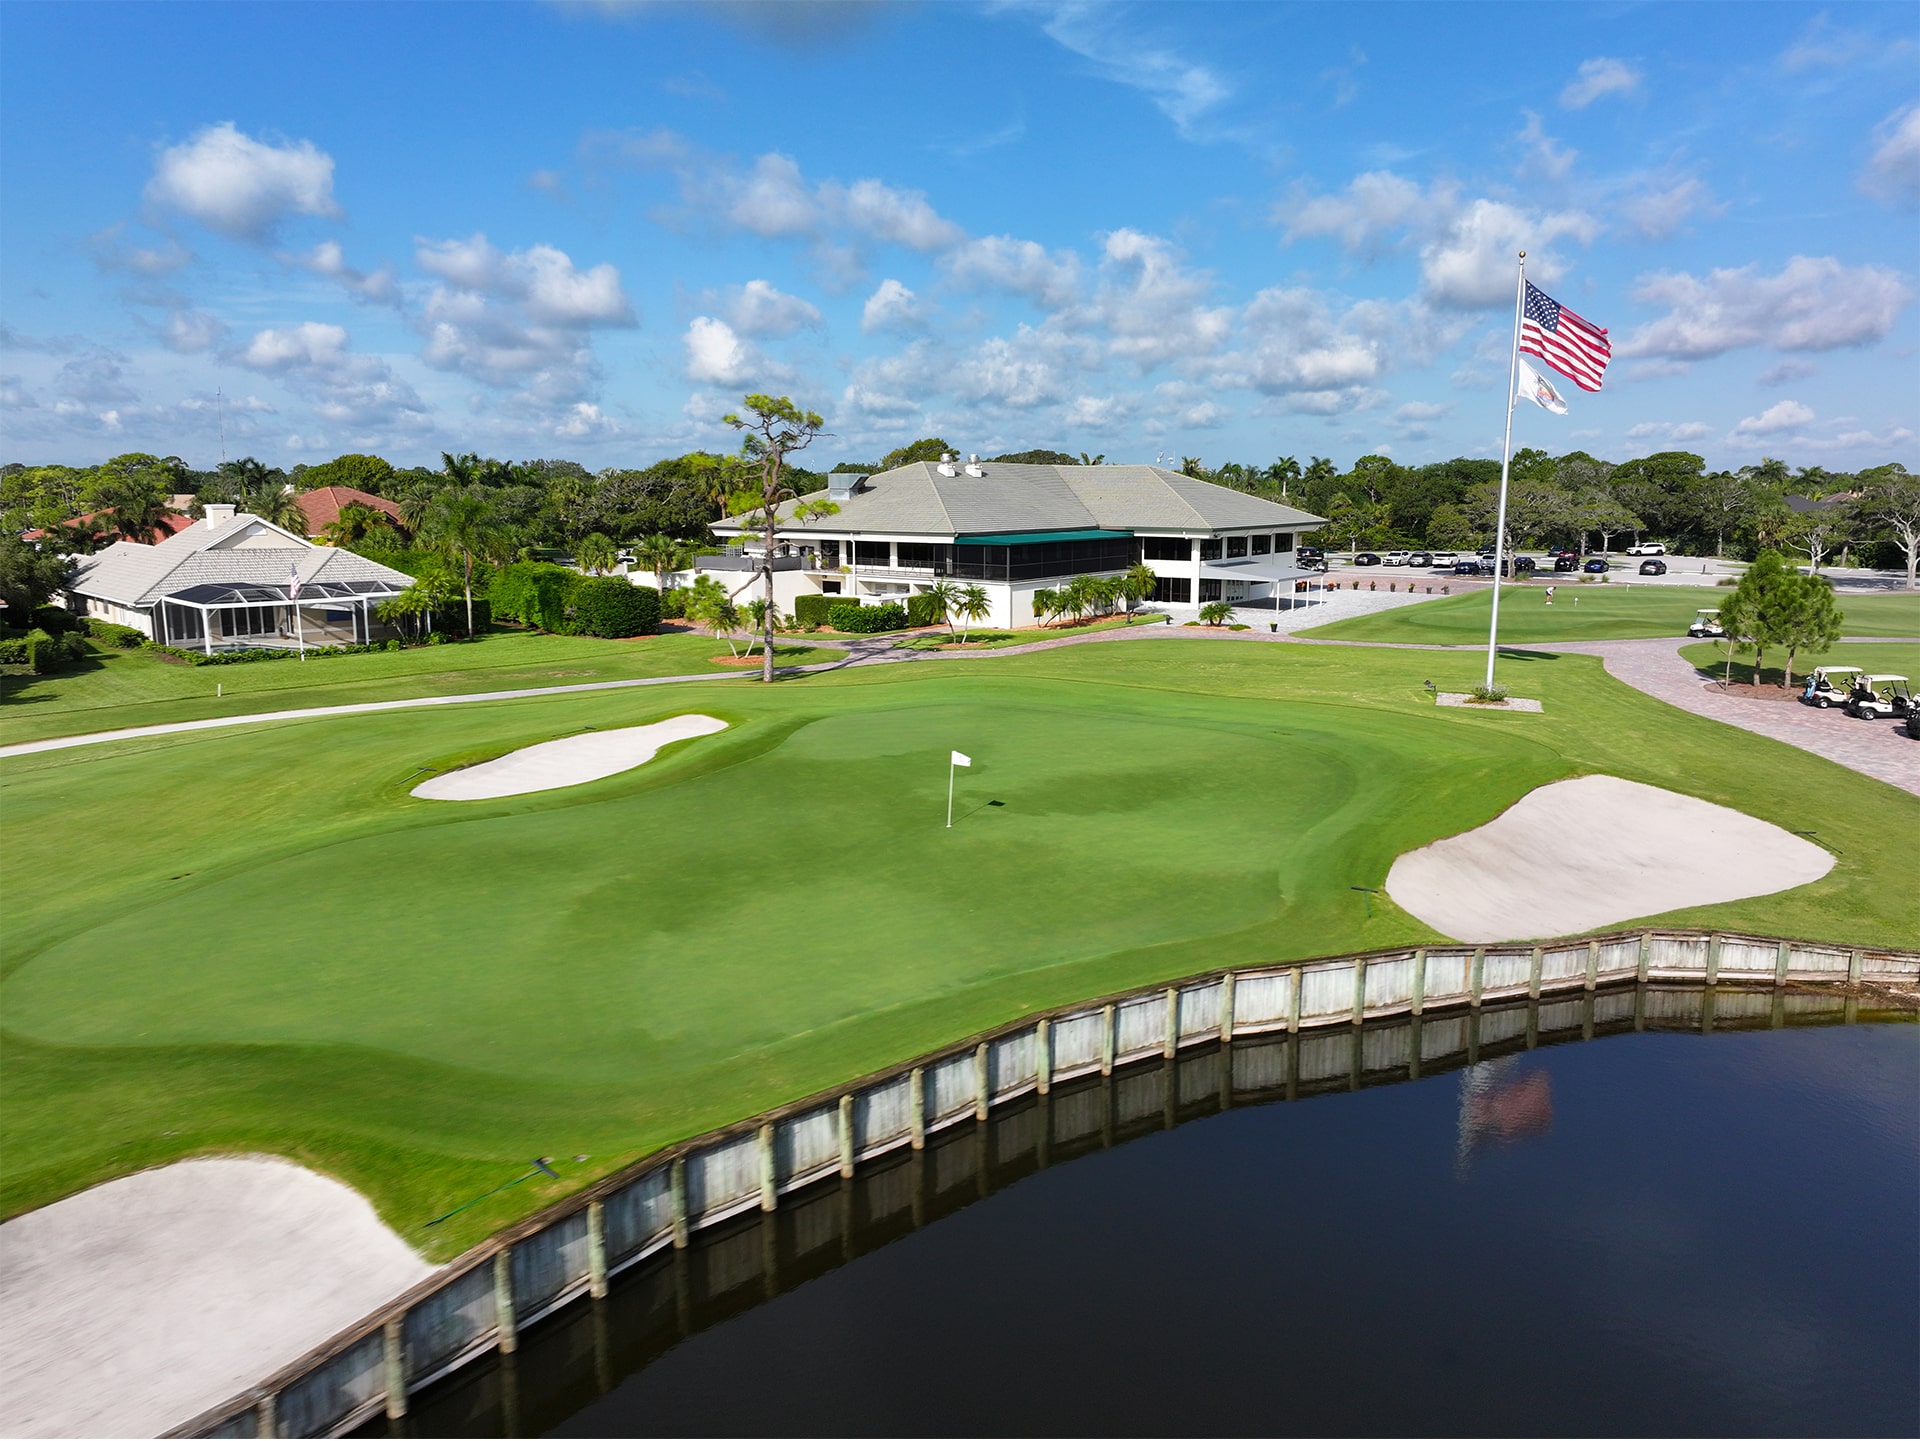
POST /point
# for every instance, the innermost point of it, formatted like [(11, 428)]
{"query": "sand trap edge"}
[(567, 761)]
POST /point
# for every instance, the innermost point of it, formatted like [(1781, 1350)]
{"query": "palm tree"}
[(1192, 465), (355, 523), (462, 522), (1086, 459), (137, 512), (758, 620), (1046, 604), (1216, 612), (663, 554), (276, 502), (1138, 583), (708, 604), (596, 555), (972, 605), (1080, 596), (945, 595)]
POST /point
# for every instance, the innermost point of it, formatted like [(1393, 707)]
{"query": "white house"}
[(229, 581), (1015, 529)]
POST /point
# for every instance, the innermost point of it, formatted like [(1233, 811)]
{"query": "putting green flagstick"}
[(1506, 463), (956, 759)]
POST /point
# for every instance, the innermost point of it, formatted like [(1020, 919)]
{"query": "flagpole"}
[(949, 791), (1506, 462)]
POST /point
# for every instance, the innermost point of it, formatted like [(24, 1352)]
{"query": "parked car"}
[(1366, 557), (1521, 565), (1307, 554), (1648, 547), (1443, 560), (1395, 557), (1877, 697), (1596, 566), (1420, 558), (1467, 567), (1828, 686), (1706, 626), (1653, 567), (1565, 562)]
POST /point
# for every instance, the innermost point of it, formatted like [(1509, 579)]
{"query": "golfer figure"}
[(1549, 595)]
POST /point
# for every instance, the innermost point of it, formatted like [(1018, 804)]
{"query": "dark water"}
[(1647, 1232)]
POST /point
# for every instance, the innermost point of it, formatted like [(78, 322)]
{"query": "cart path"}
[(1874, 748)]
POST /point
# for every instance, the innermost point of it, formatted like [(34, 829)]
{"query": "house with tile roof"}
[(234, 580), (322, 505), (1014, 529)]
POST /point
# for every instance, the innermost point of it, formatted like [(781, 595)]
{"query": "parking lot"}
[(1621, 569)]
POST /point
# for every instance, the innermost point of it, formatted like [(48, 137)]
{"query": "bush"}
[(120, 637), (56, 620), (614, 608), (532, 592), (815, 610), (867, 619), (14, 651), (924, 610), (1487, 695), (673, 605), (45, 652)]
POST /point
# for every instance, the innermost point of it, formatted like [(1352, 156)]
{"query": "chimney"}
[(219, 517)]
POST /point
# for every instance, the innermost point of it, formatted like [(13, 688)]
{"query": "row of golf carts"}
[(1864, 696)]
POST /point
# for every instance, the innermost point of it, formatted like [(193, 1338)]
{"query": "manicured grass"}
[(120, 688), (1002, 639), (1887, 658), (257, 939), (1587, 612)]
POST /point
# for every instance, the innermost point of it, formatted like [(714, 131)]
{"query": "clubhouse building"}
[(232, 581), (1014, 529)]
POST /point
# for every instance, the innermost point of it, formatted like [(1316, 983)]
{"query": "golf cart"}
[(1828, 685), (1706, 625), (1876, 697)]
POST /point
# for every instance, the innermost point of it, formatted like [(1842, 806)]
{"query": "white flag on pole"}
[(1532, 385), (962, 760)]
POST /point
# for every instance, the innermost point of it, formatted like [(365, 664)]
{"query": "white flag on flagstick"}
[(962, 760), (1532, 385)]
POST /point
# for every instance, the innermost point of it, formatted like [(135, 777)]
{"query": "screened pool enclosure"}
[(237, 617)]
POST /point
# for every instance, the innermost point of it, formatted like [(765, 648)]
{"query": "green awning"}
[(1041, 537)]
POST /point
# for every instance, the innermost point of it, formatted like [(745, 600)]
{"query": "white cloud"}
[(239, 186), (760, 309), (1599, 77), (1657, 210), (1183, 91), (900, 216), (1019, 267), (358, 391), (1787, 415), (1323, 363), (1546, 158), (1151, 308), (541, 278), (1467, 248), (1812, 304), (190, 331), (1786, 372), (328, 259), (1671, 432), (718, 356), (892, 307), (1104, 413), (149, 261), (1893, 172)]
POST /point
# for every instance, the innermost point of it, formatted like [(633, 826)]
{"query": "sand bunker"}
[(1581, 854), (569, 761), (132, 1307)]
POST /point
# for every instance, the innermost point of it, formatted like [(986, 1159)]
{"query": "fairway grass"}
[(257, 941), (118, 689), (1588, 612)]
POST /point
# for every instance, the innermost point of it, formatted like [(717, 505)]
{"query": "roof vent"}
[(843, 483), (973, 467), (946, 464)]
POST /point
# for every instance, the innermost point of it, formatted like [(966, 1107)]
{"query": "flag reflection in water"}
[(1501, 1101)]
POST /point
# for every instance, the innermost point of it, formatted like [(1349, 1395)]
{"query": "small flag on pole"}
[(1573, 347), (959, 758), (1532, 385), (962, 760), (293, 581)]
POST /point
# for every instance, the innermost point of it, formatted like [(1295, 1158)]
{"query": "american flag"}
[(293, 582), (1569, 344)]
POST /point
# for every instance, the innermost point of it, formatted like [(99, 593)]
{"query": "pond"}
[(1684, 1213)]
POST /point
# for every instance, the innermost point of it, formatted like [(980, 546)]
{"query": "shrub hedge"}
[(867, 619), (673, 605), (613, 607), (13, 651), (818, 609), (120, 637), (923, 610), (533, 592)]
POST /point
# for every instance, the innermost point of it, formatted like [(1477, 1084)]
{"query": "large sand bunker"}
[(132, 1307), (1581, 854), (569, 761)]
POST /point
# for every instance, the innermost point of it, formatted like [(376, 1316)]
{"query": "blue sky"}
[(1231, 231)]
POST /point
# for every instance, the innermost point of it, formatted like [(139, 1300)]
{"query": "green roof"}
[(1038, 537)]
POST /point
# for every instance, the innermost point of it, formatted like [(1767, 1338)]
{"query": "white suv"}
[(1396, 557), (1651, 547)]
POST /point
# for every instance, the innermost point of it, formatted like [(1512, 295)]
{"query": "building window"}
[(1283, 543), (917, 556), (1262, 544), (872, 552), (1166, 547), (830, 554), (1209, 590), (1042, 559), (1210, 549), (829, 587), (1236, 546), (1173, 589)]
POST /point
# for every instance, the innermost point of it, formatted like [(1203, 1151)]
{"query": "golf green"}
[(1587, 612), (259, 940)]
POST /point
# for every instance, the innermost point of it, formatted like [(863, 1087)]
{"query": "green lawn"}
[(1587, 612), (257, 940), (1002, 639), (120, 688), (1885, 658)]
